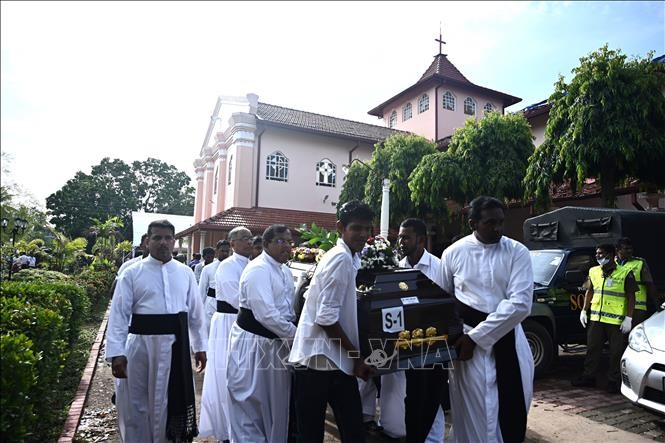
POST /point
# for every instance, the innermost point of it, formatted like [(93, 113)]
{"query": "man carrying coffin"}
[(214, 399), (155, 311), (491, 383), (258, 382)]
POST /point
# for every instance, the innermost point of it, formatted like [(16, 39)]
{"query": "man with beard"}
[(155, 311), (491, 383), (214, 399), (258, 382)]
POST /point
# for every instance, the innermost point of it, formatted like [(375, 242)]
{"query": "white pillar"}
[(385, 208), (202, 240)]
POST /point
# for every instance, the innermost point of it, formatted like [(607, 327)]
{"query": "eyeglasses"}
[(283, 242), (245, 238)]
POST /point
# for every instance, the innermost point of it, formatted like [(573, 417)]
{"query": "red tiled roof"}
[(442, 71), (322, 124), (258, 219)]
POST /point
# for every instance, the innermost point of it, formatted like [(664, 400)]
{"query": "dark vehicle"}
[(562, 244)]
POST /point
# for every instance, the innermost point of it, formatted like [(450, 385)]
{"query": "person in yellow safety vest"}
[(646, 288), (611, 296)]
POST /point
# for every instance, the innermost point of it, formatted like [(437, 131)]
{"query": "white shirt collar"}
[(355, 257)]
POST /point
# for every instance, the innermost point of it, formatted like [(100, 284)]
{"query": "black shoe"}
[(613, 388), (584, 382)]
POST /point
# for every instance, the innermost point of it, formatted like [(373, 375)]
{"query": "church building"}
[(270, 164)]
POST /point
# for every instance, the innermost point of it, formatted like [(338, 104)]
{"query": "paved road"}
[(559, 412)]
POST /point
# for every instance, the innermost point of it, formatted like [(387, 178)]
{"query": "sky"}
[(81, 81)]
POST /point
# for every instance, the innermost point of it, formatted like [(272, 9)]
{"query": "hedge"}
[(67, 299), (18, 378)]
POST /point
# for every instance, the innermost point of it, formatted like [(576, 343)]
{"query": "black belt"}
[(226, 308), (512, 409), (247, 321), (211, 292), (181, 419)]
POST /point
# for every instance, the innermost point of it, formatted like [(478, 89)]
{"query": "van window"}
[(545, 264)]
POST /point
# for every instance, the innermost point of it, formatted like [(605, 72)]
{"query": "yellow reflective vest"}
[(635, 264), (609, 302)]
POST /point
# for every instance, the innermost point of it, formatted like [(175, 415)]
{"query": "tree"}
[(606, 123), (485, 157), (115, 189), (393, 159), (354, 184)]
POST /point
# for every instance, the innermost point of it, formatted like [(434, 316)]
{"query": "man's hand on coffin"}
[(119, 366), (464, 347), (362, 370), (201, 360)]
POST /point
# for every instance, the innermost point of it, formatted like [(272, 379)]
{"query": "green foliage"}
[(354, 184), (318, 237), (40, 275), (485, 157), (395, 159), (68, 300), (115, 189), (68, 255), (18, 378), (96, 284), (607, 122)]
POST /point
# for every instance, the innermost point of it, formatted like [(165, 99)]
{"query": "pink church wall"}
[(422, 124), (538, 125), (304, 151), (221, 186), (198, 200), (451, 120)]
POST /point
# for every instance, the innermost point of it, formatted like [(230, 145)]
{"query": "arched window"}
[(406, 112), (277, 167), (230, 173), (449, 101), (489, 107), (214, 186), (326, 173), (393, 119), (423, 103), (469, 106)]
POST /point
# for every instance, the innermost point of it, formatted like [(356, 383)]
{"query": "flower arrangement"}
[(378, 255), (307, 255)]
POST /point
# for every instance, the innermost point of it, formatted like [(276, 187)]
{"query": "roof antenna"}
[(440, 40)]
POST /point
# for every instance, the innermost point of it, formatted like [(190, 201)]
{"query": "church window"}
[(230, 173), (449, 101), (423, 103), (406, 112), (277, 167), (489, 107), (214, 185), (326, 173), (469, 106), (393, 119)]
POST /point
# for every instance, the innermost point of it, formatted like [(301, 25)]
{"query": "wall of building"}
[(451, 120), (419, 123), (538, 125), (304, 151)]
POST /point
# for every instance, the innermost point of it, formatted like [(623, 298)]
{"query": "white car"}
[(643, 364)]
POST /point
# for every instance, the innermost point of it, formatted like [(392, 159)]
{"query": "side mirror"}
[(574, 276)]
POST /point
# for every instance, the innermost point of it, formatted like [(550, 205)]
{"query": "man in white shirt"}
[(226, 279), (208, 255), (155, 311), (207, 281), (258, 381), (491, 383), (144, 253), (326, 347)]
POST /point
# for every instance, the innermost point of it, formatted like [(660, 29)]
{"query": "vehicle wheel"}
[(541, 344)]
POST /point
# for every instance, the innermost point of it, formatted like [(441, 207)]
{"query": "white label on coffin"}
[(410, 300), (392, 319)]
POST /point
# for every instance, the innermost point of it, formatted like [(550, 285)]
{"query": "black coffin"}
[(392, 303)]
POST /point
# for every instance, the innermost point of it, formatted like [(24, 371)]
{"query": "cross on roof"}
[(440, 40)]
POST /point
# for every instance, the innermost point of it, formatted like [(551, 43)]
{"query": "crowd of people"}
[(270, 376)]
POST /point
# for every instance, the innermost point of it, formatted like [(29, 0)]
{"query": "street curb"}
[(78, 404)]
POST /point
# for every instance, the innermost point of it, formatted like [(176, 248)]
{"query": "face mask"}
[(603, 261)]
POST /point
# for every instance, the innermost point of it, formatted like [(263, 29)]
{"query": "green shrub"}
[(96, 285), (18, 378), (67, 299), (41, 275)]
